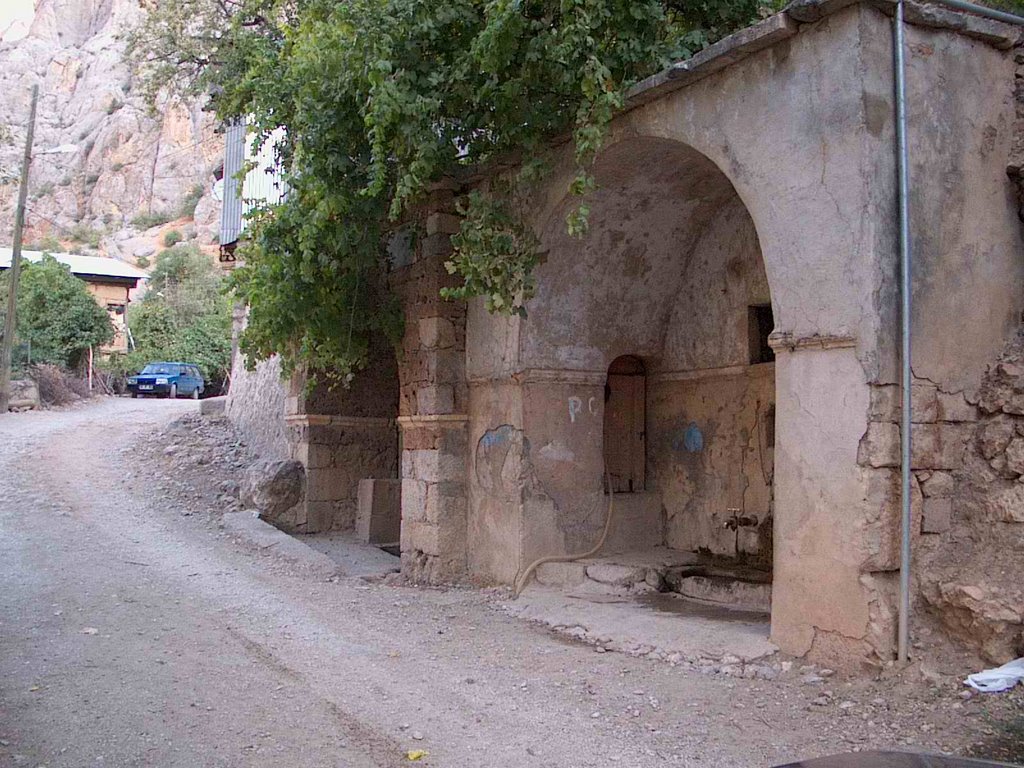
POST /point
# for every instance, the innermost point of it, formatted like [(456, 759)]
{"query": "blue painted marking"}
[(495, 437), (693, 439)]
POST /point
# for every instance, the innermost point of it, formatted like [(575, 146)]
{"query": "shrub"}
[(57, 386), (57, 316), (142, 261), (172, 238), (114, 105), (150, 220), (116, 167), (191, 200), (49, 244), (44, 190), (82, 233)]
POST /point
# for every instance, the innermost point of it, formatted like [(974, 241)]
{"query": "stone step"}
[(561, 574), (723, 590)]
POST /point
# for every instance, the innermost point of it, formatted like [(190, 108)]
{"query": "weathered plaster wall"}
[(711, 459), (256, 407), (711, 414)]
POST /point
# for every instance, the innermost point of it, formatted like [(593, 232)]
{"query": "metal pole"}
[(903, 173), (12, 292), (981, 10)]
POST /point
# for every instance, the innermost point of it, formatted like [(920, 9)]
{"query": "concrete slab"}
[(350, 556), (659, 625), (249, 527)]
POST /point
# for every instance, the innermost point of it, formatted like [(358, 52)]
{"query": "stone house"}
[(109, 281), (725, 341)]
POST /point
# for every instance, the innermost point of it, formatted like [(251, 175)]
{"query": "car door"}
[(197, 378), (184, 380)]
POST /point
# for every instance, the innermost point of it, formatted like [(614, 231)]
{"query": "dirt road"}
[(132, 634)]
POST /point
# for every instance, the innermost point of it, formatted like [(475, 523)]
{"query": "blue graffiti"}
[(693, 438), (496, 437)]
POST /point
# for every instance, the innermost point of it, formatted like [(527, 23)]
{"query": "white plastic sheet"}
[(999, 679)]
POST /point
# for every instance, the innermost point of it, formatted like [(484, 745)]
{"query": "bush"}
[(82, 233), (172, 238), (150, 220), (188, 205), (58, 319), (57, 386), (49, 244), (142, 262)]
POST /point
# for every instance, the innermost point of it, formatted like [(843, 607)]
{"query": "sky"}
[(15, 17)]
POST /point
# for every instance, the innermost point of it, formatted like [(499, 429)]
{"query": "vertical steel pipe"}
[(903, 174)]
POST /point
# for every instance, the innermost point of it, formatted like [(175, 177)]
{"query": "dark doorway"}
[(624, 424)]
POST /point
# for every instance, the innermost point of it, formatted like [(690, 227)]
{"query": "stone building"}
[(725, 340)]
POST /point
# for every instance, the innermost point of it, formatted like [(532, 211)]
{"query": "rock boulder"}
[(275, 489)]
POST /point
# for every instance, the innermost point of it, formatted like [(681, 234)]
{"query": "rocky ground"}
[(136, 630)]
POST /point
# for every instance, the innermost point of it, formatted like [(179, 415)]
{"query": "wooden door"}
[(624, 424)]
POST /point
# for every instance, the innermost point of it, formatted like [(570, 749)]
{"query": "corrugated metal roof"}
[(101, 266)]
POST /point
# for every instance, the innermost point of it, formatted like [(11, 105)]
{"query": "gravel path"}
[(135, 632)]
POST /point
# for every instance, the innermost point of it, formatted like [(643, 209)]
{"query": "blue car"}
[(167, 380)]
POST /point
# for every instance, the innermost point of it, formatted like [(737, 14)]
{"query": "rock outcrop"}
[(126, 164)]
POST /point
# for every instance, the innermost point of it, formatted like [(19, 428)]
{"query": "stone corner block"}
[(938, 515), (880, 446)]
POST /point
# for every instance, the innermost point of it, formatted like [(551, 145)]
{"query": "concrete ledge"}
[(785, 24), (213, 406), (995, 33), (246, 525), (809, 11), (726, 51)]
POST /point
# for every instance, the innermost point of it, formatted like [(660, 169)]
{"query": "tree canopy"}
[(57, 319), (380, 98)]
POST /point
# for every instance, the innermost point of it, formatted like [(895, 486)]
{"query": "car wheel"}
[(195, 393), (174, 392)]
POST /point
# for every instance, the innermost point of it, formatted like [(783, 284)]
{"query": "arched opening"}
[(625, 407), (667, 296)]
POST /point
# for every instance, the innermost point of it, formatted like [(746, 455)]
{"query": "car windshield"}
[(161, 368)]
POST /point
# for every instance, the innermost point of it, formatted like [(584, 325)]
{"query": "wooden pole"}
[(12, 294)]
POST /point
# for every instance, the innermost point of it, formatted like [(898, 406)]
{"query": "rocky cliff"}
[(131, 173)]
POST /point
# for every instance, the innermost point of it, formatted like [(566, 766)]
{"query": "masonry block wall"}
[(432, 402), (342, 436)]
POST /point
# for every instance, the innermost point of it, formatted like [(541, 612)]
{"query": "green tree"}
[(184, 316), (380, 98), (58, 319)]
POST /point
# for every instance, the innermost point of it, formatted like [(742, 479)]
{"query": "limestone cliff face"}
[(126, 161)]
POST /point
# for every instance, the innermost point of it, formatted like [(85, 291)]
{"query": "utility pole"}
[(12, 294)]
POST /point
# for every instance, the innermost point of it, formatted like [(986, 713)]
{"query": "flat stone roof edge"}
[(787, 22)]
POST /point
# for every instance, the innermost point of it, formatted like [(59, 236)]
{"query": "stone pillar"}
[(834, 534), (432, 403)]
